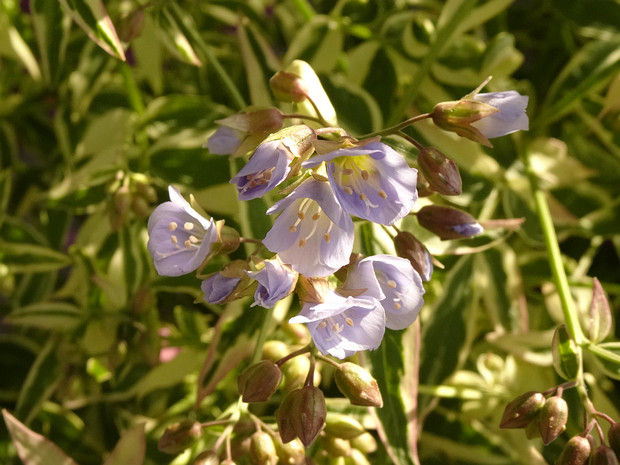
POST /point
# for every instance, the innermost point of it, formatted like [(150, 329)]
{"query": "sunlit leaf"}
[(51, 31), (566, 354), (31, 258), (130, 448)]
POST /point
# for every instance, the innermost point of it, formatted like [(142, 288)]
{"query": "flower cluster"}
[(326, 181)]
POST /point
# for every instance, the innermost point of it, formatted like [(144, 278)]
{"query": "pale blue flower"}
[(268, 167), (225, 140), (313, 234), (275, 282), (394, 282), (179, 237), (341, 326), (371, 181), (510, 118), (217, 287)]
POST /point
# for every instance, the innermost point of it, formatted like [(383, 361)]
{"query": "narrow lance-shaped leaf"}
[(600, 313), (32, 448), (93, 18), (174, 38), (51, 29)]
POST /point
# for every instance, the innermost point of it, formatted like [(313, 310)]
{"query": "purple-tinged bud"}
[(448, 223), (407, 246), (358, 385), (457, 117), (575, 452), (613, 437), (336, 447), (283, 418), (522, 410), (600, 314), (131, 25), (258, 382), (207, 457), (604, 455), (552, 419), (265, 120), (365, 443), (288, 87), (423, 186), (441, 173), (307, 413), (342, 426), (291, 453), (179, 437), (262, 449)]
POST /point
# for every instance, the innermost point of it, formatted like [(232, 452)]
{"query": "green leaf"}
[(171, 32), (51, 33), (92, 17), (566, 354), (31, 258), (260, 95), (319, 42), (608, 354), (57, 316), (130, 448), (32, 448)]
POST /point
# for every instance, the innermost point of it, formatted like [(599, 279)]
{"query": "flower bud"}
[(274, 350), (600, 314), (532, 430), (603, 455), (566, 354), (613, 437), (228, 238), (307, 413), (291, 453), (258, 382), (457, 117), (522, 410), (335, 447), (179, 436), (407, 246), (207, 457), (283, 418), (365, 443), (288, 87), (357, 457), (358, 385), (265, 120), (448, 223), (131, 26), (553, 418), (295, 373), (262, 449), (342, 426), (575, 452), (441, 173)]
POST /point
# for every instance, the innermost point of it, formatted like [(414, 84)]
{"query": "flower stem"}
[(560, 279), (396, 128)]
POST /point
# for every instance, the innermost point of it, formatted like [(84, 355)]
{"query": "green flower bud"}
[(365, 442), (207, 457), (604, 455), (262, 449), (275, 350), (448, 223), (358, 385), (457, 117), (357, 457), (553, 417), (441, 173), (258, 382), (336, 447), (291, 453), (613, 437), (295, 373), (575, 452), (179, 437), (522, 410), (342, 426), (288, 87)]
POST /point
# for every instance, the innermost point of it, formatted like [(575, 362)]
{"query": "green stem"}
[(262, 335), (397, 127), (133, 94), (555, 257)]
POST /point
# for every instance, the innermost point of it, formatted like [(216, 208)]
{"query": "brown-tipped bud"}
[(600, 314), (207, 457), (140, 207), (258, 382), (262, 449), (261, 121), (288, 87), (228, 239), (575, 452), (604, 455), (613, 437), (307, 413), (342, 426), (179, 437), (358, 385), (441, 173), (457, 117), (312, 290), (522, 410), (448, 223), (552, 419), (365, 443), (122, 200), (291, 453), (423, 186), (336, 447), (275, 350), (283, 418), (407, 246), (131, 26), (295, 373)]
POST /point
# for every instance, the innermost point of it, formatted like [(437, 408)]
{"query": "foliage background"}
[(92, 108)]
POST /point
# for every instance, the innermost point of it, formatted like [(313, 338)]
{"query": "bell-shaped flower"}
[(225, 140), (267, 168), (371, 181), (510, 116), (341, 326), (217, 287), (180, 238), (275, 282), (313, 234), (394, 282)]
